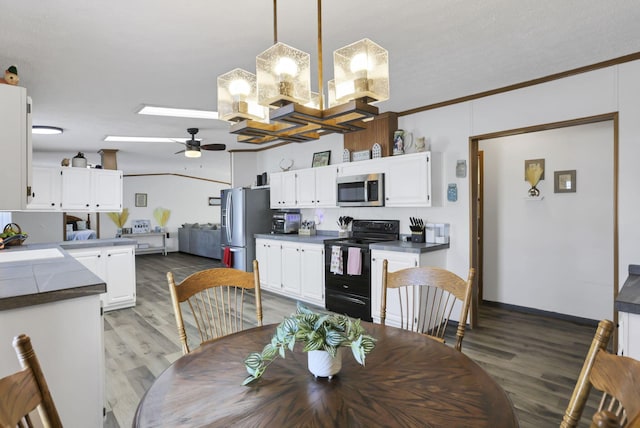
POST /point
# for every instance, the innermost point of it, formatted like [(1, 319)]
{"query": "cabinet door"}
[(121, 277), (312, 273), (262, 256), (76, 189), (92, 260), (397, 260), (274, 265), (305, 188), (15, 148), (275, 190), (407, 181), (290, 268), (326, 186), (106, 192), (289, 189), (47, 183)]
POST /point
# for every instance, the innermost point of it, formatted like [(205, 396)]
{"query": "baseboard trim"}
[(549, 314)]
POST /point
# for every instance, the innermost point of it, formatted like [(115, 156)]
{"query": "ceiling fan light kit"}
[(282, 87), (193, 147), (192, 152)]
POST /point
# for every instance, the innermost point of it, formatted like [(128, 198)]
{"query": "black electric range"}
[(347, 293)]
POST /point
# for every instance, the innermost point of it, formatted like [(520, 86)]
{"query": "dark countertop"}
[(35, 281), (402, 246), (408, 247), (629, 297)]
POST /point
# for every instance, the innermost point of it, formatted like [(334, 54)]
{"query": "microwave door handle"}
[(366, 191)]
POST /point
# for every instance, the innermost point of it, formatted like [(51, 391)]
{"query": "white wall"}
[(187, 198), (602, 91), (535, 250)]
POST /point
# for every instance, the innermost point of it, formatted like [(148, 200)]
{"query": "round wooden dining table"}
[(409, 381)]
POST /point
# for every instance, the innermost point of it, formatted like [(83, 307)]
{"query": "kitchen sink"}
[(7, 256)]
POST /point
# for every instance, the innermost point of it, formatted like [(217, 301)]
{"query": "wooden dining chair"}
[(22, 392), (617, 377), (426, 297), (216, 300)]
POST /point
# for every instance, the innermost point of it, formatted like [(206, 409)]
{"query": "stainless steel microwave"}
[(365, 190)]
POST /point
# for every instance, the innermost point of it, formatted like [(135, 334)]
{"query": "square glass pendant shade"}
[(237, 97), (283, 75), (361, 70)]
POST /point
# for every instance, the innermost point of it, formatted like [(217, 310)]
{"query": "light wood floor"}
[(535, 359)]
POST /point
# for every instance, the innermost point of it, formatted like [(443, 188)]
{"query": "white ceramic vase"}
[(322, 364)]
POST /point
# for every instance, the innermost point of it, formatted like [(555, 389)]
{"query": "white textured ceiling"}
[(89, 65)]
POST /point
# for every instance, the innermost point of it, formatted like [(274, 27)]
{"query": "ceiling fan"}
[(193, 146)]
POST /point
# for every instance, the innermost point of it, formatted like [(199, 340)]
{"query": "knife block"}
[(417, 237)]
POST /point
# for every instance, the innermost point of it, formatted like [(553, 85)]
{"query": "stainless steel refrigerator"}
[(245, 212)]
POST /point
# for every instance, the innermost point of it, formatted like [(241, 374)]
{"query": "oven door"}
[(348, 294)]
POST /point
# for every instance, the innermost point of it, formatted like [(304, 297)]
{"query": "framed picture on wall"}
[(141, 199), (564, 181), (321, 159), (214, 201)]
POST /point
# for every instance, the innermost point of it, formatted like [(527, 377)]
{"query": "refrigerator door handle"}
[(229, 217)]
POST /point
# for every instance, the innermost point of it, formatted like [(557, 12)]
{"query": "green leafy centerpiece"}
[(319, 332)]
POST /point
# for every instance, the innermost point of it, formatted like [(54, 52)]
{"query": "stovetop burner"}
[(367, 232)]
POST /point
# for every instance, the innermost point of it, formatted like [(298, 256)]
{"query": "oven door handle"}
[(351, 299)]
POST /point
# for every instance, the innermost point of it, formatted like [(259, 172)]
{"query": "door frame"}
[(475, 250)]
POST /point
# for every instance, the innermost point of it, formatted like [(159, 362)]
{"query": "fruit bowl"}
[(12, 235)]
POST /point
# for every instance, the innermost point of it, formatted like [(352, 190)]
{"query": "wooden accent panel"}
[(379, 130)]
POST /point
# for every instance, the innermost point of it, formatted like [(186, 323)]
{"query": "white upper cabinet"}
[(325, 186), (304, 188), (283, 190), (15, 148), (408, 180), (46, 190), (88, 189)]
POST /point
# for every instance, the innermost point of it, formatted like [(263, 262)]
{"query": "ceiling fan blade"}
[(181, 151), (213, 147)]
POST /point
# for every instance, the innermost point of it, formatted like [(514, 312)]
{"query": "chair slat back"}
[(22, 392), (427, 296), (617, 377), (216, 300)]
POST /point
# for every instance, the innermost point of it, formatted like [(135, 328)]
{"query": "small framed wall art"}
[(564, 181), (214, 201), (321, 159), (141, 199)]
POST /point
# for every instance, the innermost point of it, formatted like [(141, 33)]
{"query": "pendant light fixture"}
[(277, 104)]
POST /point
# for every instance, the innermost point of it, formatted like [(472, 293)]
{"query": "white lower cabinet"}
[(396, 260), (292, 269), (629, 342), (116, 266)]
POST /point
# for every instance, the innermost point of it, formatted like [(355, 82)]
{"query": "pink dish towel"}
[(354, 261)]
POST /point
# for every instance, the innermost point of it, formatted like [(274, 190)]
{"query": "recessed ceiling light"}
[(178, 112), (124, 139), (47, 130)]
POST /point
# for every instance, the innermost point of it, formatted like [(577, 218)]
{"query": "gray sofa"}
[(200, 240)]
